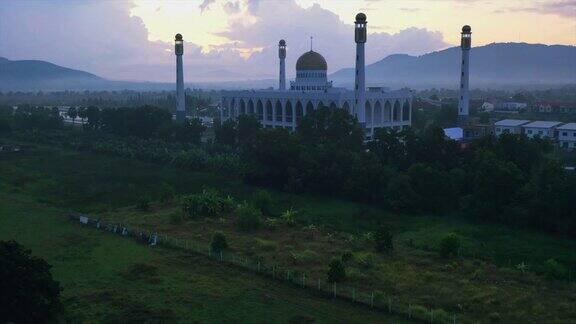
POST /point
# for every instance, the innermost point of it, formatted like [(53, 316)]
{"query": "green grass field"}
[(111, 279), (101, 277)]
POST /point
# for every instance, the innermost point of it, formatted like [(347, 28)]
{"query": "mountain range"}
[(498, 64), (490, 65)]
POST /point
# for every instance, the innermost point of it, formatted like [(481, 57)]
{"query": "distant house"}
[(487, 106), (567, 136), (542, 129), (509, 126)]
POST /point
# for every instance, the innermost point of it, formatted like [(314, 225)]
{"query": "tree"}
[(218, 243), (191, 131), (336, 271), (449, 245), (331, 125), (72, 113), (383, 240), (28, 294), (226, 133)]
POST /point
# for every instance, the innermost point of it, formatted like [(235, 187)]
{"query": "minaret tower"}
[(282, 56), (464, 100), (360, 87), (180, 98)]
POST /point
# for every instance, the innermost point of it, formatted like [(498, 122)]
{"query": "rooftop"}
[(454, 133), (511, 122), (569, 126), (542, 124)]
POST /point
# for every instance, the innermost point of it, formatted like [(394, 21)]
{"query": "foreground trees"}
[(28, 294)]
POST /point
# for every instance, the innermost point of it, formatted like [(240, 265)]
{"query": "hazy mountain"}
[(33, 74), (493, 64)]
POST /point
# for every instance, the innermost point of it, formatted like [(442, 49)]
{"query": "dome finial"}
[(311, 43)]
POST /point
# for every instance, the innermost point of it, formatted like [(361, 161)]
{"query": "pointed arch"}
[(319, 105), (268, 110), (242, 107), (333, 105), (406, 111), (251, 110), (299, 112), (368, 114), (288, 112), (278, 111), (387, 111), (260, 110), (396, 111), (378, 114)]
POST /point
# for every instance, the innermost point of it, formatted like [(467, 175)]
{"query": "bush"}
[(263, 201), (383, 241), (336, 271), (365, 260), (218, 243), (266, 245), (554, 269), (249, 217), (347, 257), (28, 294), (289, 217), (449, 245), (208, 203)]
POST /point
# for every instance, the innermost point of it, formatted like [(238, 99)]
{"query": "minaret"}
[(180, 98), (360, 87), (282, 56), (463, 102)]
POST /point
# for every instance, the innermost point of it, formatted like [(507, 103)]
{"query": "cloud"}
[(102, 37), (561, 8), (205, 5)]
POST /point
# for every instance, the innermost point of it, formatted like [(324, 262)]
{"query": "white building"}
[(567, 136), (311, 89), (542, 129), (509, 126)]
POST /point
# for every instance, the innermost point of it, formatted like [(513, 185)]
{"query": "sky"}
[(237, 39)]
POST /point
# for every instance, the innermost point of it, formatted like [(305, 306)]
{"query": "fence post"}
[(431, 315), (372, 300), (319, 284), (221, 256), (258, 266), (273, 272), (389, 305), (409, 311), (454, 319), (303, 280)]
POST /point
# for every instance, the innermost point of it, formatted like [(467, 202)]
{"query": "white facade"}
[(311, 89), (509, 126), (567, 136), (542, 129)]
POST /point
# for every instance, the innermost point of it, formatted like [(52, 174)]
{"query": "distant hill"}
[(493, 64), (33, 74)]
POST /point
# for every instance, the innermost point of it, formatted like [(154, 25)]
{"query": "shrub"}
[(449, 245), (554, 269), (208, 203), (289, 217), (248, 217), (263, 201), (336, 271), (383, 240), (347, 257), (218, 243)]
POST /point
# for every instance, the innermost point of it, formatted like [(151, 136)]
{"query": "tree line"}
[(510, 179)]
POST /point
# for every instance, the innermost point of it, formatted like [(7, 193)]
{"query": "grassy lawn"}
[(101, 273)]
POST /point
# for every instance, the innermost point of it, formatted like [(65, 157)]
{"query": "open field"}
[(483, 285), (111, 279)]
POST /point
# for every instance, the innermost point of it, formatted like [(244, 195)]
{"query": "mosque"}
[(374, 107)]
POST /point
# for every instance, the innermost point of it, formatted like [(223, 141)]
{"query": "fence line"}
[(385, 304)]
